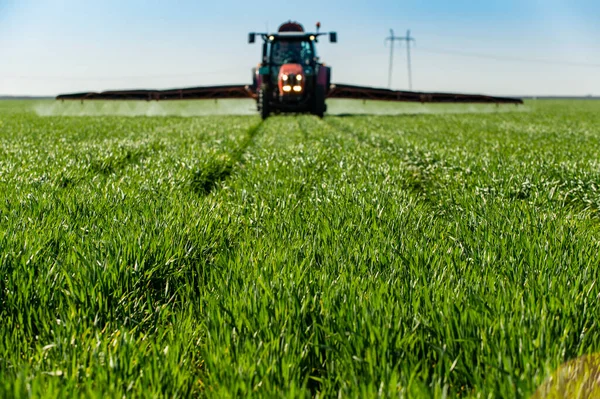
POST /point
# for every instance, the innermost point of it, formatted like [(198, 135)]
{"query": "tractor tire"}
[(264, 105), (319, 106)]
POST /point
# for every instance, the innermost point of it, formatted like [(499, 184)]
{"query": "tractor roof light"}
[(271, 38), (312, 37)]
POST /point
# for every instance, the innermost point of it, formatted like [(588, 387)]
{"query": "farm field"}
[(441, 251)]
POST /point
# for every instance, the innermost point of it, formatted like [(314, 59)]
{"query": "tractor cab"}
[(290, 78), (292, 51)]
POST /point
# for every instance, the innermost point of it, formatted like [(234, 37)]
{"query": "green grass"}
[(414, 255)]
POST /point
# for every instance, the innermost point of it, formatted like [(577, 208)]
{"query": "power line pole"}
[(408, 39), (391, 39)]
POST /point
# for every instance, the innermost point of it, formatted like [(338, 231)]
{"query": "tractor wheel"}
[(319, 106), (263, 102)]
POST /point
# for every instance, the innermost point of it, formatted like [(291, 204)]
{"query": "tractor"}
[(290, 77)]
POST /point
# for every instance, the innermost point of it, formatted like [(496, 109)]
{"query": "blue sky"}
[(534, 46)]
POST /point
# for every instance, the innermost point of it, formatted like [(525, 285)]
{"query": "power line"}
[(508, 58), (392, 38)]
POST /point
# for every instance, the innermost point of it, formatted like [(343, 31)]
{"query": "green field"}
[(443, 250)]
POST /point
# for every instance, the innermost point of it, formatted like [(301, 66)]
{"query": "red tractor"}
[(290, 77)]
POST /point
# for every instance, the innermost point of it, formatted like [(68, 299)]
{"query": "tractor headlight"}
[(284, 78), (299, 78), (287, 88), (297, 89)]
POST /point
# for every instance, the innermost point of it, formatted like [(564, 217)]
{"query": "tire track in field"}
[(208, 178)]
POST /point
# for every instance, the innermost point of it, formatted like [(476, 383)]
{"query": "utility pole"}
[(391, 39), (408, 39)]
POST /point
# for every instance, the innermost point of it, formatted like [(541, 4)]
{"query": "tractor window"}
[(292, 52)]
